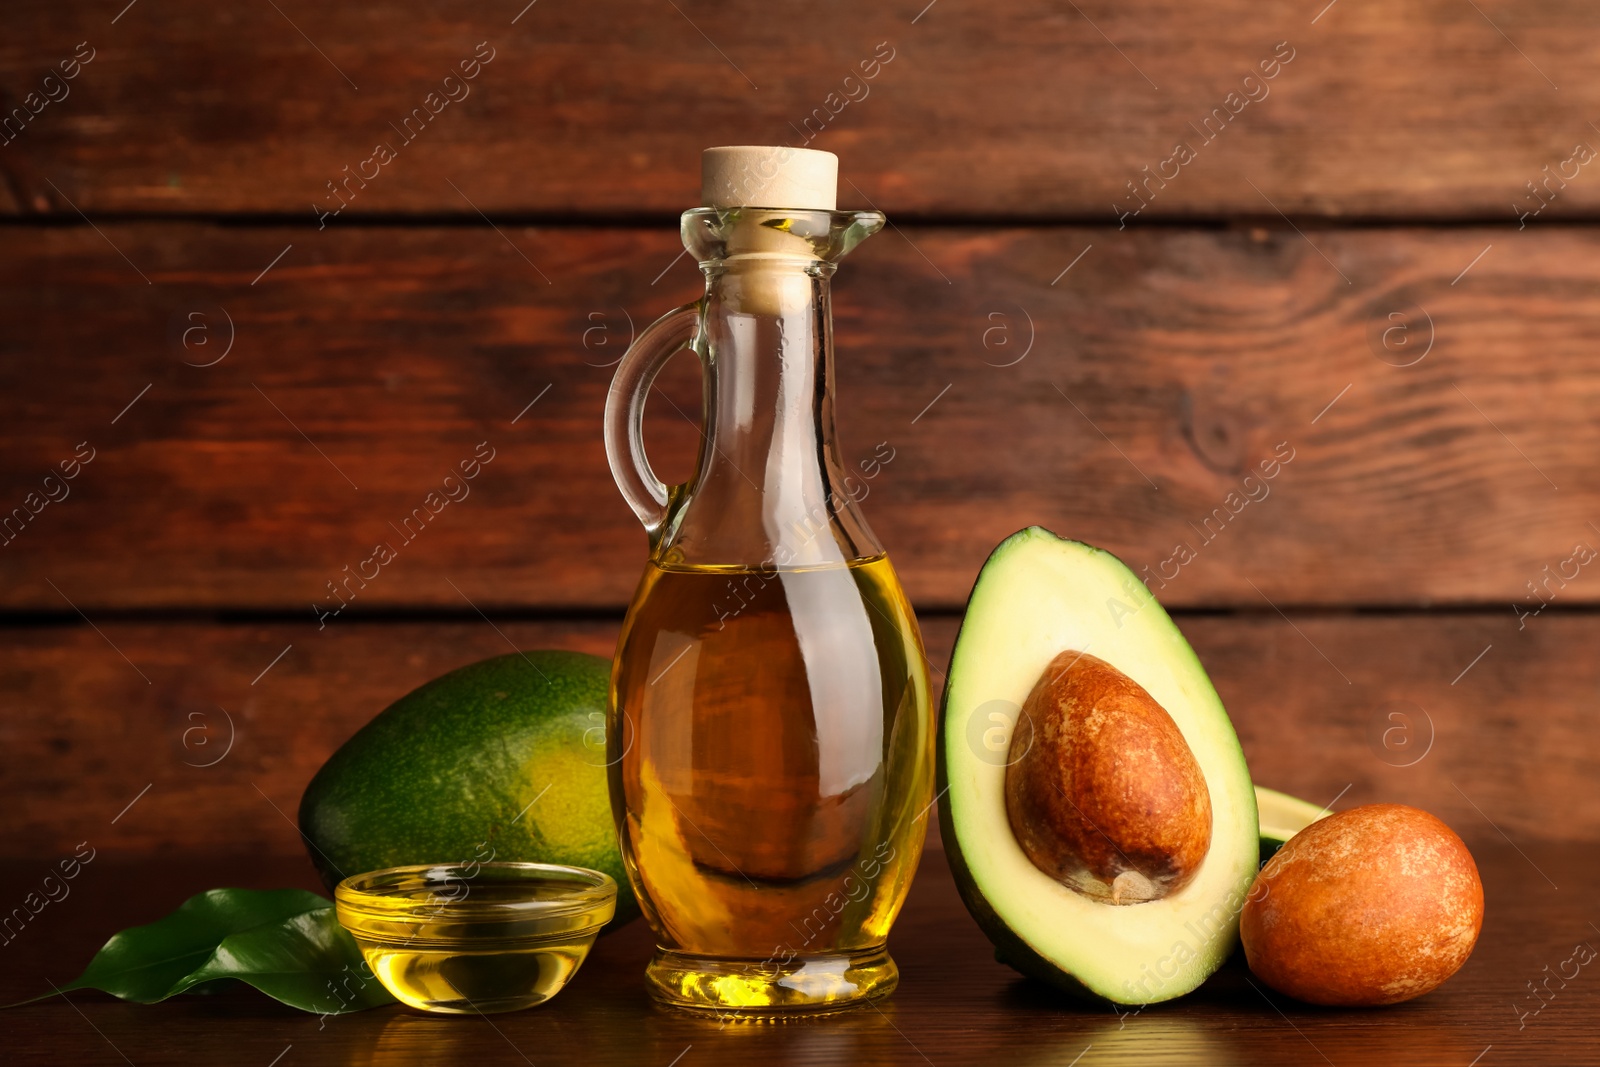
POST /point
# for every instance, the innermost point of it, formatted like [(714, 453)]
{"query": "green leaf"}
[(146, 963), (307, 961), (286, 942)]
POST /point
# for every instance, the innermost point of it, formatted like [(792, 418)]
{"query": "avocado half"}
[(1038, 595), (1282, 816)]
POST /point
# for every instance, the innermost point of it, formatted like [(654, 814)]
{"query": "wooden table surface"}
[(955, 1004)]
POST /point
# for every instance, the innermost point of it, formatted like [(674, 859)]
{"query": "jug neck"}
[(771, 488)]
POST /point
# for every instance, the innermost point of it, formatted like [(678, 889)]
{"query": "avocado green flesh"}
[(503, 759), (1037, 596), (1282, 816)]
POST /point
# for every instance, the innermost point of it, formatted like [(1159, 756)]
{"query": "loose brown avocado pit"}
[(1102, 792)]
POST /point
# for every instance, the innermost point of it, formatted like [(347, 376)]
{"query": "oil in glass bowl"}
[(475, 938)]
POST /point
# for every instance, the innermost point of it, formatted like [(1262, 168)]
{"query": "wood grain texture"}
[(1329, 708), (1126, 403), (1035, 110), (955, 1004)]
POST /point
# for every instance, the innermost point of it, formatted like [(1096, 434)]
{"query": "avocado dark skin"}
[(503, 759)]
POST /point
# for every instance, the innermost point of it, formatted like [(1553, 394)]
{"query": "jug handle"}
[(647, 494)]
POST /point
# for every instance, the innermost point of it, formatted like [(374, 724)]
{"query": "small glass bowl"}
[(474, 938)]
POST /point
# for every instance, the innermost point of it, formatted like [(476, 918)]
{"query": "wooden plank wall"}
[(1368, 246)]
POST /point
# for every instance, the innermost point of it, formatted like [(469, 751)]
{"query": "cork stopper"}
[(769, 176), (776, 178)]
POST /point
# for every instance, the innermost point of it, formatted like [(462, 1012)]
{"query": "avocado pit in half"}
[(1102, 791)]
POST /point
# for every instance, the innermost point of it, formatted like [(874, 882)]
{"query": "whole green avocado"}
[(501, 759)]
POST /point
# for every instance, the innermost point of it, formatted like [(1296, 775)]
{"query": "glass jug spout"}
[(768, 483), (713, 234)]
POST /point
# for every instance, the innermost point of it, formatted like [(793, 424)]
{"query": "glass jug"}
[(770, 734)]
